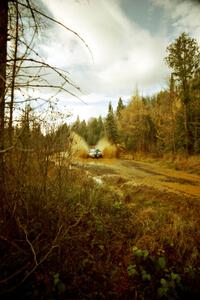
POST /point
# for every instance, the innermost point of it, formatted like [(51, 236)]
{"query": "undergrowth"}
[(62, 236)]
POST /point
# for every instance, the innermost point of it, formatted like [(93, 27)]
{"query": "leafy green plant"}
[(155, 278), (59, 286)]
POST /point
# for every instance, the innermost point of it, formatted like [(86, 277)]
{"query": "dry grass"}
[(191, 164), (168, 222)]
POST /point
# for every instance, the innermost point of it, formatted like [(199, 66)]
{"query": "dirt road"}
[(143, 174)]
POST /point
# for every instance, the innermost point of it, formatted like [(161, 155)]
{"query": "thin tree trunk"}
[(172, 99), (10, 125), (3, 56), (186, 129), (196, 148)]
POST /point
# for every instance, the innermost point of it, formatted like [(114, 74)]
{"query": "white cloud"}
[(125, 55), (184, 15)]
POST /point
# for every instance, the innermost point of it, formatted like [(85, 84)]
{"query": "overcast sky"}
[(128, 40)]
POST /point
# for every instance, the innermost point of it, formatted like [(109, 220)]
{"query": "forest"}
[(66, 235), (167, 122)]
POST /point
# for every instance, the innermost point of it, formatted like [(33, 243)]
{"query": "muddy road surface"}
[(136, 173)]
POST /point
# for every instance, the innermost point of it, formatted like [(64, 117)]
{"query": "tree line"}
[(167, 122)]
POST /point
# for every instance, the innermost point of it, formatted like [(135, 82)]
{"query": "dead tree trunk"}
[(3, 55), (10, 124)]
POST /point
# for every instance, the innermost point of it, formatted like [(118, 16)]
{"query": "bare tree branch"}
[(55, 21)]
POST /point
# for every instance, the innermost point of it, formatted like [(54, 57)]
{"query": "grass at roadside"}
[(189, 164)]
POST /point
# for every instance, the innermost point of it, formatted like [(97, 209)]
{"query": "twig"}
[(57, 22), (31, 246)]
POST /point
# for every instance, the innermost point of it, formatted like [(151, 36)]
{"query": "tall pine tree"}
[(120, 107), (111, 126), (184, 59)]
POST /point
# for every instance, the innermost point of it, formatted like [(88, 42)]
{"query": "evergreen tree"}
[(62, 136), (83, 130), (184, 58), (101, 129), (111, 126), (93, 131), (76, 125), (120, 107)]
